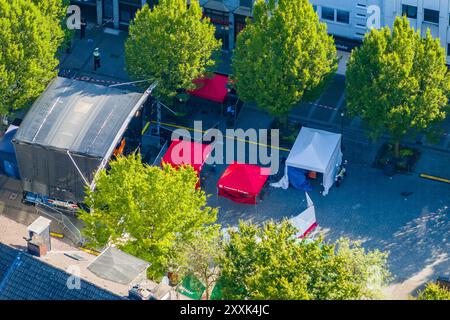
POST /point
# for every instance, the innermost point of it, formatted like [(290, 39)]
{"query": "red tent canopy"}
[(242, 182), (213, 89), (183, 152)]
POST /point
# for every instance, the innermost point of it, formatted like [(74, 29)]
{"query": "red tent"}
[(213, 89), (183, 152), (242, 182)]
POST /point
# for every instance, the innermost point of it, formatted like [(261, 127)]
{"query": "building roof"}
[(217, 5), (314, 149), (23, 277), (79, 117), (117, 266), (244, 11)]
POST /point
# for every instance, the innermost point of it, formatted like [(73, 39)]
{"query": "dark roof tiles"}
[(23, 277)]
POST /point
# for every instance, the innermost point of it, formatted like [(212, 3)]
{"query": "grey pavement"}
[(368, 207), (327, 113), (12, 207), (80, 63), (80, 60)]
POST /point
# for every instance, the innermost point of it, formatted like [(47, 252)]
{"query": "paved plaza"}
[(367, 207)]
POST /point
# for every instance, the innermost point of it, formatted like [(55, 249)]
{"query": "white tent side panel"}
[(305, 221), (335, 162)]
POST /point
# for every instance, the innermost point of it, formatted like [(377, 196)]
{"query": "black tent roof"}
[(79, 117)]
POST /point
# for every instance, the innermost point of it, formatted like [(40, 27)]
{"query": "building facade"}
[(346, 19), (228, 16), (349, 18), (112, 13)]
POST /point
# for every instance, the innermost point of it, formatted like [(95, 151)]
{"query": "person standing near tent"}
[(83, 26), (97, 58)]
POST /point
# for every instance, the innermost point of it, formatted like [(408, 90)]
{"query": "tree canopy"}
[(397, 81), (172, 44), (149, 212), (202, 259), (283, 54), (30, 40), (56, 10), (434, 291), (270, 263)]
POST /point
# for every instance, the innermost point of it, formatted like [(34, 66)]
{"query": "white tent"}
[(315, 150), (305, 222)]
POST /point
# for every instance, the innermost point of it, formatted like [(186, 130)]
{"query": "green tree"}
[(148, 212), (397, 81), (56, 11), (172, 44), (434, 291), (202, 259), (27, 55), (270, 263), (282, 55)]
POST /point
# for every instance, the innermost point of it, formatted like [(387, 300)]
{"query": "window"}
[(431, 16), (409, 11), (448, 49), (327, 13), (343, 16), (221, 21), (315, 8)]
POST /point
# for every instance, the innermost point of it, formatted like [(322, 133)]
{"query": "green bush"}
[(434, 291)]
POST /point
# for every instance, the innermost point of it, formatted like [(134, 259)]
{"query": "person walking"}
[(83, 28), (96, 59)]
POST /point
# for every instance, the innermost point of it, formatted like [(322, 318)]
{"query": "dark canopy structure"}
[(8, 161), (183, 152), (242, 183), (212, 89), (69, 134)]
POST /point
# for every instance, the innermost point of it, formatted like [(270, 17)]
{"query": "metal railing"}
[(73, 233)]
